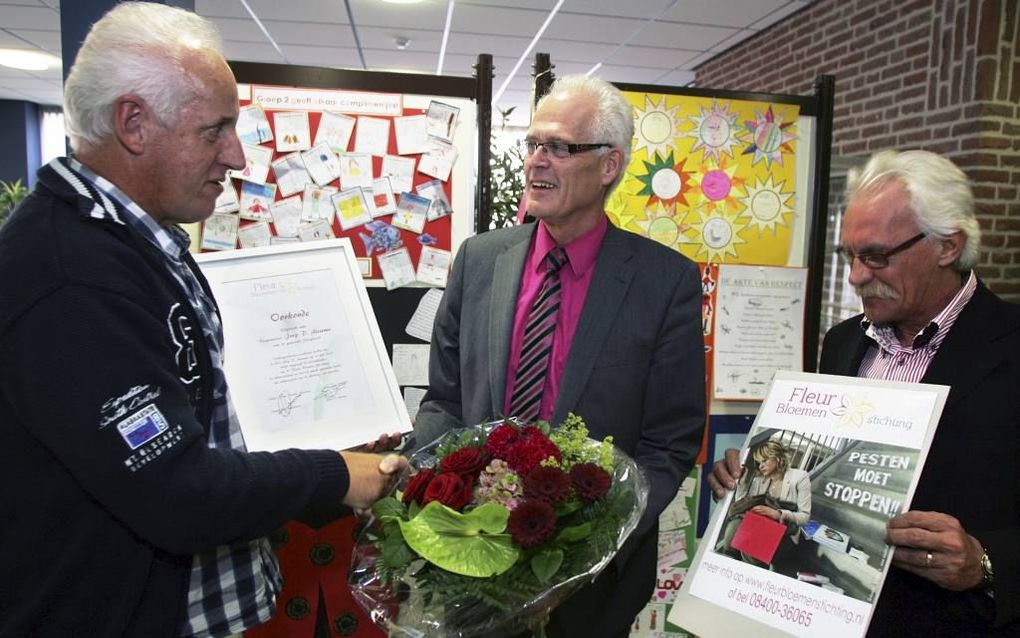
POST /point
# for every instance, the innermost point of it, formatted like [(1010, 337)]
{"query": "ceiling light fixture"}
[(527, 52), (446, 37), (264, 30), (28, 60), (354, 32), (401, 42)]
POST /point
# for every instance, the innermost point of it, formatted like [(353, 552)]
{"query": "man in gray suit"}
[(622, 347)]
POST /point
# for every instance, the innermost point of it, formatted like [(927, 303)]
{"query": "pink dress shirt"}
[(575, 277)]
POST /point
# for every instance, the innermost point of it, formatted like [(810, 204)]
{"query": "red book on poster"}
[(758, 536)]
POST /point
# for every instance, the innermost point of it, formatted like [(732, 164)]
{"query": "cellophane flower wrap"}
[(493, 527)]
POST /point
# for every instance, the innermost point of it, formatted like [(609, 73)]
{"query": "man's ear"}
[(951, 247), (131, 119), (612, 165)]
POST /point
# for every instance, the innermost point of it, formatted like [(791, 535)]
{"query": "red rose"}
[(500, 439), (449, 489), (531, 523), (590, 481), (467, 461), (416, 486), (525, 454)]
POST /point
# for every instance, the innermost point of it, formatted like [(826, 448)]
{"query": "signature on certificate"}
[(286, 402), (332, 391)]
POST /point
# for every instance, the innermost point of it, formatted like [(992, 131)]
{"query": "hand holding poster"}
[(831, 459)]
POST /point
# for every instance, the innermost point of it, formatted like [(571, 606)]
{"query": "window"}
[(51, 132)]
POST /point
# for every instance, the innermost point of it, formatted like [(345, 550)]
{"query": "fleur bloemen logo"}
[(852, 410)]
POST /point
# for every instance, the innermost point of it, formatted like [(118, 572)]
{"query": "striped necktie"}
[(536, 347)]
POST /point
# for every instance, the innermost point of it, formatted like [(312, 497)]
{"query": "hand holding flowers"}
[(498, 525)]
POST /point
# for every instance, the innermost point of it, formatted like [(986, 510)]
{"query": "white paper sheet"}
[(434, 266), (397, 269), (291, 176), (411, 363), (254, 235), (292, 132), (759, 328), (372, 135), (424, 316), (219, 232), (412, 136), (412, 400), (255, 201)]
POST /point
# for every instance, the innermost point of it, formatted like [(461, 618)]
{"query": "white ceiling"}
[(637, 41)]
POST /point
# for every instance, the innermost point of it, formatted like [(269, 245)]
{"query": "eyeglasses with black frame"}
[(558, 149), (878, 260)]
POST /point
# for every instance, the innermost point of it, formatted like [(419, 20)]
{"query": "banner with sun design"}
[(711, 178)]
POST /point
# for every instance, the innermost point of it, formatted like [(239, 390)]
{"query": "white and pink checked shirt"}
[(894, 362)]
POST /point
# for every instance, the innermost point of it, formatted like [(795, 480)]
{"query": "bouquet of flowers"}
[(494, 527)]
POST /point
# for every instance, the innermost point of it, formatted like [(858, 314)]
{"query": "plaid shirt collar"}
[(112, 204)]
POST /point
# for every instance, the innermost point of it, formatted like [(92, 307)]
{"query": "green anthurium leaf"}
[(388, 507), (575, 533), (546, 562), (470, 544)]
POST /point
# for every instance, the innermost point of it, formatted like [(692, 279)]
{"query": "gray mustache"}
[(876, 290)]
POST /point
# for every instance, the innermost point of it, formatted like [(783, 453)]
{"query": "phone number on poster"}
[(782, 610)]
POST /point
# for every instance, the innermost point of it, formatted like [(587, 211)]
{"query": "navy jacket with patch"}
[(96, 337)]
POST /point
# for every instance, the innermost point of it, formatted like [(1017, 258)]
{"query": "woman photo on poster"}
[(772, 489)]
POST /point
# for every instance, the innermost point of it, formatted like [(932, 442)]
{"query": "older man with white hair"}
[(571, 314), (130, 505), (911, 239)]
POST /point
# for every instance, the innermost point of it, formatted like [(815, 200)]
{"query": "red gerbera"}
[(531, 523), (525, 454), (549, 484), (529, 431), (500, 439), (590, 481), (416, 486)]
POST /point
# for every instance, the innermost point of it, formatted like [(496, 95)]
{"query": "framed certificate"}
[(304, 357)]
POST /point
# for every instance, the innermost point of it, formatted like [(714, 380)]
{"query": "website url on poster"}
[(774, 599)]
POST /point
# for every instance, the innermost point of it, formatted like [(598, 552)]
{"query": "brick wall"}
[(941, 75)]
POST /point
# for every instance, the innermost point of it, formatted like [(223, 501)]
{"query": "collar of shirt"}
[(581, 252), (885, 336), (172, 241)]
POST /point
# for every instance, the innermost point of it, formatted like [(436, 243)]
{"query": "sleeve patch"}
[(142, 426)]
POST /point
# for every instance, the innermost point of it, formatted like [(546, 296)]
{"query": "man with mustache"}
[(911, 238), (130, 506), (618, 336)]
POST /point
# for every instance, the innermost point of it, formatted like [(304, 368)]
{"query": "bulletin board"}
[(388, 160)]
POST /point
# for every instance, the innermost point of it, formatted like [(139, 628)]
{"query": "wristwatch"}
[(987, 574)]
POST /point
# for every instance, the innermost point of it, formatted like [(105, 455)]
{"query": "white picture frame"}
[(305, 360)]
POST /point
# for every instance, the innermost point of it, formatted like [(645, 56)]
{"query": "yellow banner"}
[(711, 178)]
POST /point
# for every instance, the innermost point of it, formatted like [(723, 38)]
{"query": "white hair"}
[(614, 117), (137, 48), (940, 195)]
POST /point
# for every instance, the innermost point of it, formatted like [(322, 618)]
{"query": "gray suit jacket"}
[(635, 369)]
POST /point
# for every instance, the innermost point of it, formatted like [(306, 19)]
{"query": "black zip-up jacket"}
[(108, 484)]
